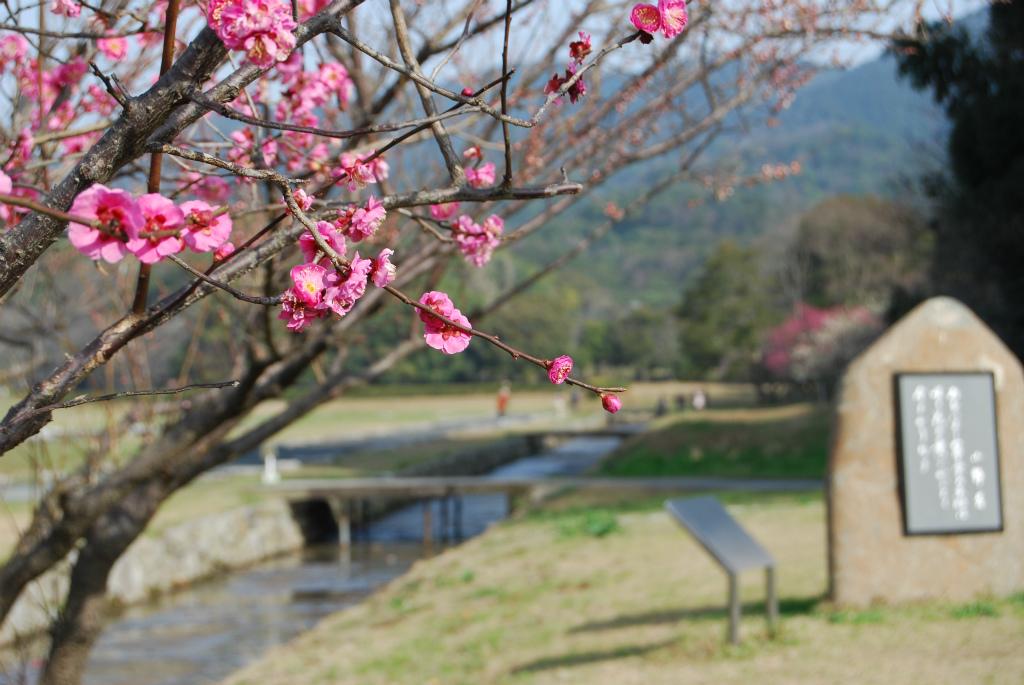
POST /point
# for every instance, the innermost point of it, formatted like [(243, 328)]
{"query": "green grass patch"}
[(596, 524), (978, 609), (857, 618), (765, 443)]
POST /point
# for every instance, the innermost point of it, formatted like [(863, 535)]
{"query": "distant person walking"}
[(504, 395), (700, 400)]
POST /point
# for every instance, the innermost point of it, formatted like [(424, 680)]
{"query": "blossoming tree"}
[(305, 164)]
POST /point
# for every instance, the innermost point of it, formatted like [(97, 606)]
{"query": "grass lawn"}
[(775, 442), (621, 595)]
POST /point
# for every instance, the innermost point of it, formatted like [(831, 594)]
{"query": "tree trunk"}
[(85, 612)]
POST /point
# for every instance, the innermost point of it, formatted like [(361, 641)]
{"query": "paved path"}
[(439, 486)]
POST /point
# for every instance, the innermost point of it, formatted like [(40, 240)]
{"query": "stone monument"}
[(926, 471)]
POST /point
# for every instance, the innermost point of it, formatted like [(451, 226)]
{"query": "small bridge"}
[(342, 495)]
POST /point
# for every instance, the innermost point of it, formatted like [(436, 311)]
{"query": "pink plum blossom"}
[(577, 90), (579, 49), (268, 149), (439, 334), (114, 48), (296, 313), (205, 230), (119, 217), (444, 211), (244, 141), (477, 242), (13, 49), (79, 143), (158, 236), (669, 16), (611, 403), (559, 369), (341, 295), (360, 172), (645, 17), (481, 176), (335, 78), (263, 28), (579, 87), (311, 7), (673, 17), (213, 189), (224, 251), (472, 152), (331, 234), (438, 302), (308, 283), (378, 167), (383, 271), (303, 200), (67, 8), (366, 220), (5, 189)]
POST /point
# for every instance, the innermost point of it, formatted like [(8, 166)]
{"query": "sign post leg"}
[(734, 609), (771, 600)]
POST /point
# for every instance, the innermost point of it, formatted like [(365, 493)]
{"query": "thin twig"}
[(237, 169), (229, 113), (49, 211), (234, 292), (497, 342), (78, 401), (506, 180)]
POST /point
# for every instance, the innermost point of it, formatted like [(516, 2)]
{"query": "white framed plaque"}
[(948, 453)]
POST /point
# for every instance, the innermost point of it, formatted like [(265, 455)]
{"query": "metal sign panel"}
[(719, 533), (948, 453)]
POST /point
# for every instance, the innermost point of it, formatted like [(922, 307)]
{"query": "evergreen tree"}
[(979, 222)]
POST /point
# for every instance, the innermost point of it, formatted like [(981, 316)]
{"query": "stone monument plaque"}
[(926, 471), (949, 454)]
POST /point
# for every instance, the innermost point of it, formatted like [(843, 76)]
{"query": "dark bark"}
[(85, 613)]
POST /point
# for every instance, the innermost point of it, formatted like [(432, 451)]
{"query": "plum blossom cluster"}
[(669, 17), (355, 222), (304, 98), (361, 170), (262, 28), (480, 174), (66, 8), (318, 285), (151, 226), (318, 288), (440, 334), (56, 95), (477, 241), (578, 51)]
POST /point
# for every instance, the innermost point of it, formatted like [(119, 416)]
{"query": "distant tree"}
[(809, 351), (644, 340), (860, 250), (979, 217), (725, 313)]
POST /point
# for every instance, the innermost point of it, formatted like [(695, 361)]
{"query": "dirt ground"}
[(544, 600)]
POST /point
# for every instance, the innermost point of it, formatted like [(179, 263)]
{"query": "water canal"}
[(201, 634)]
